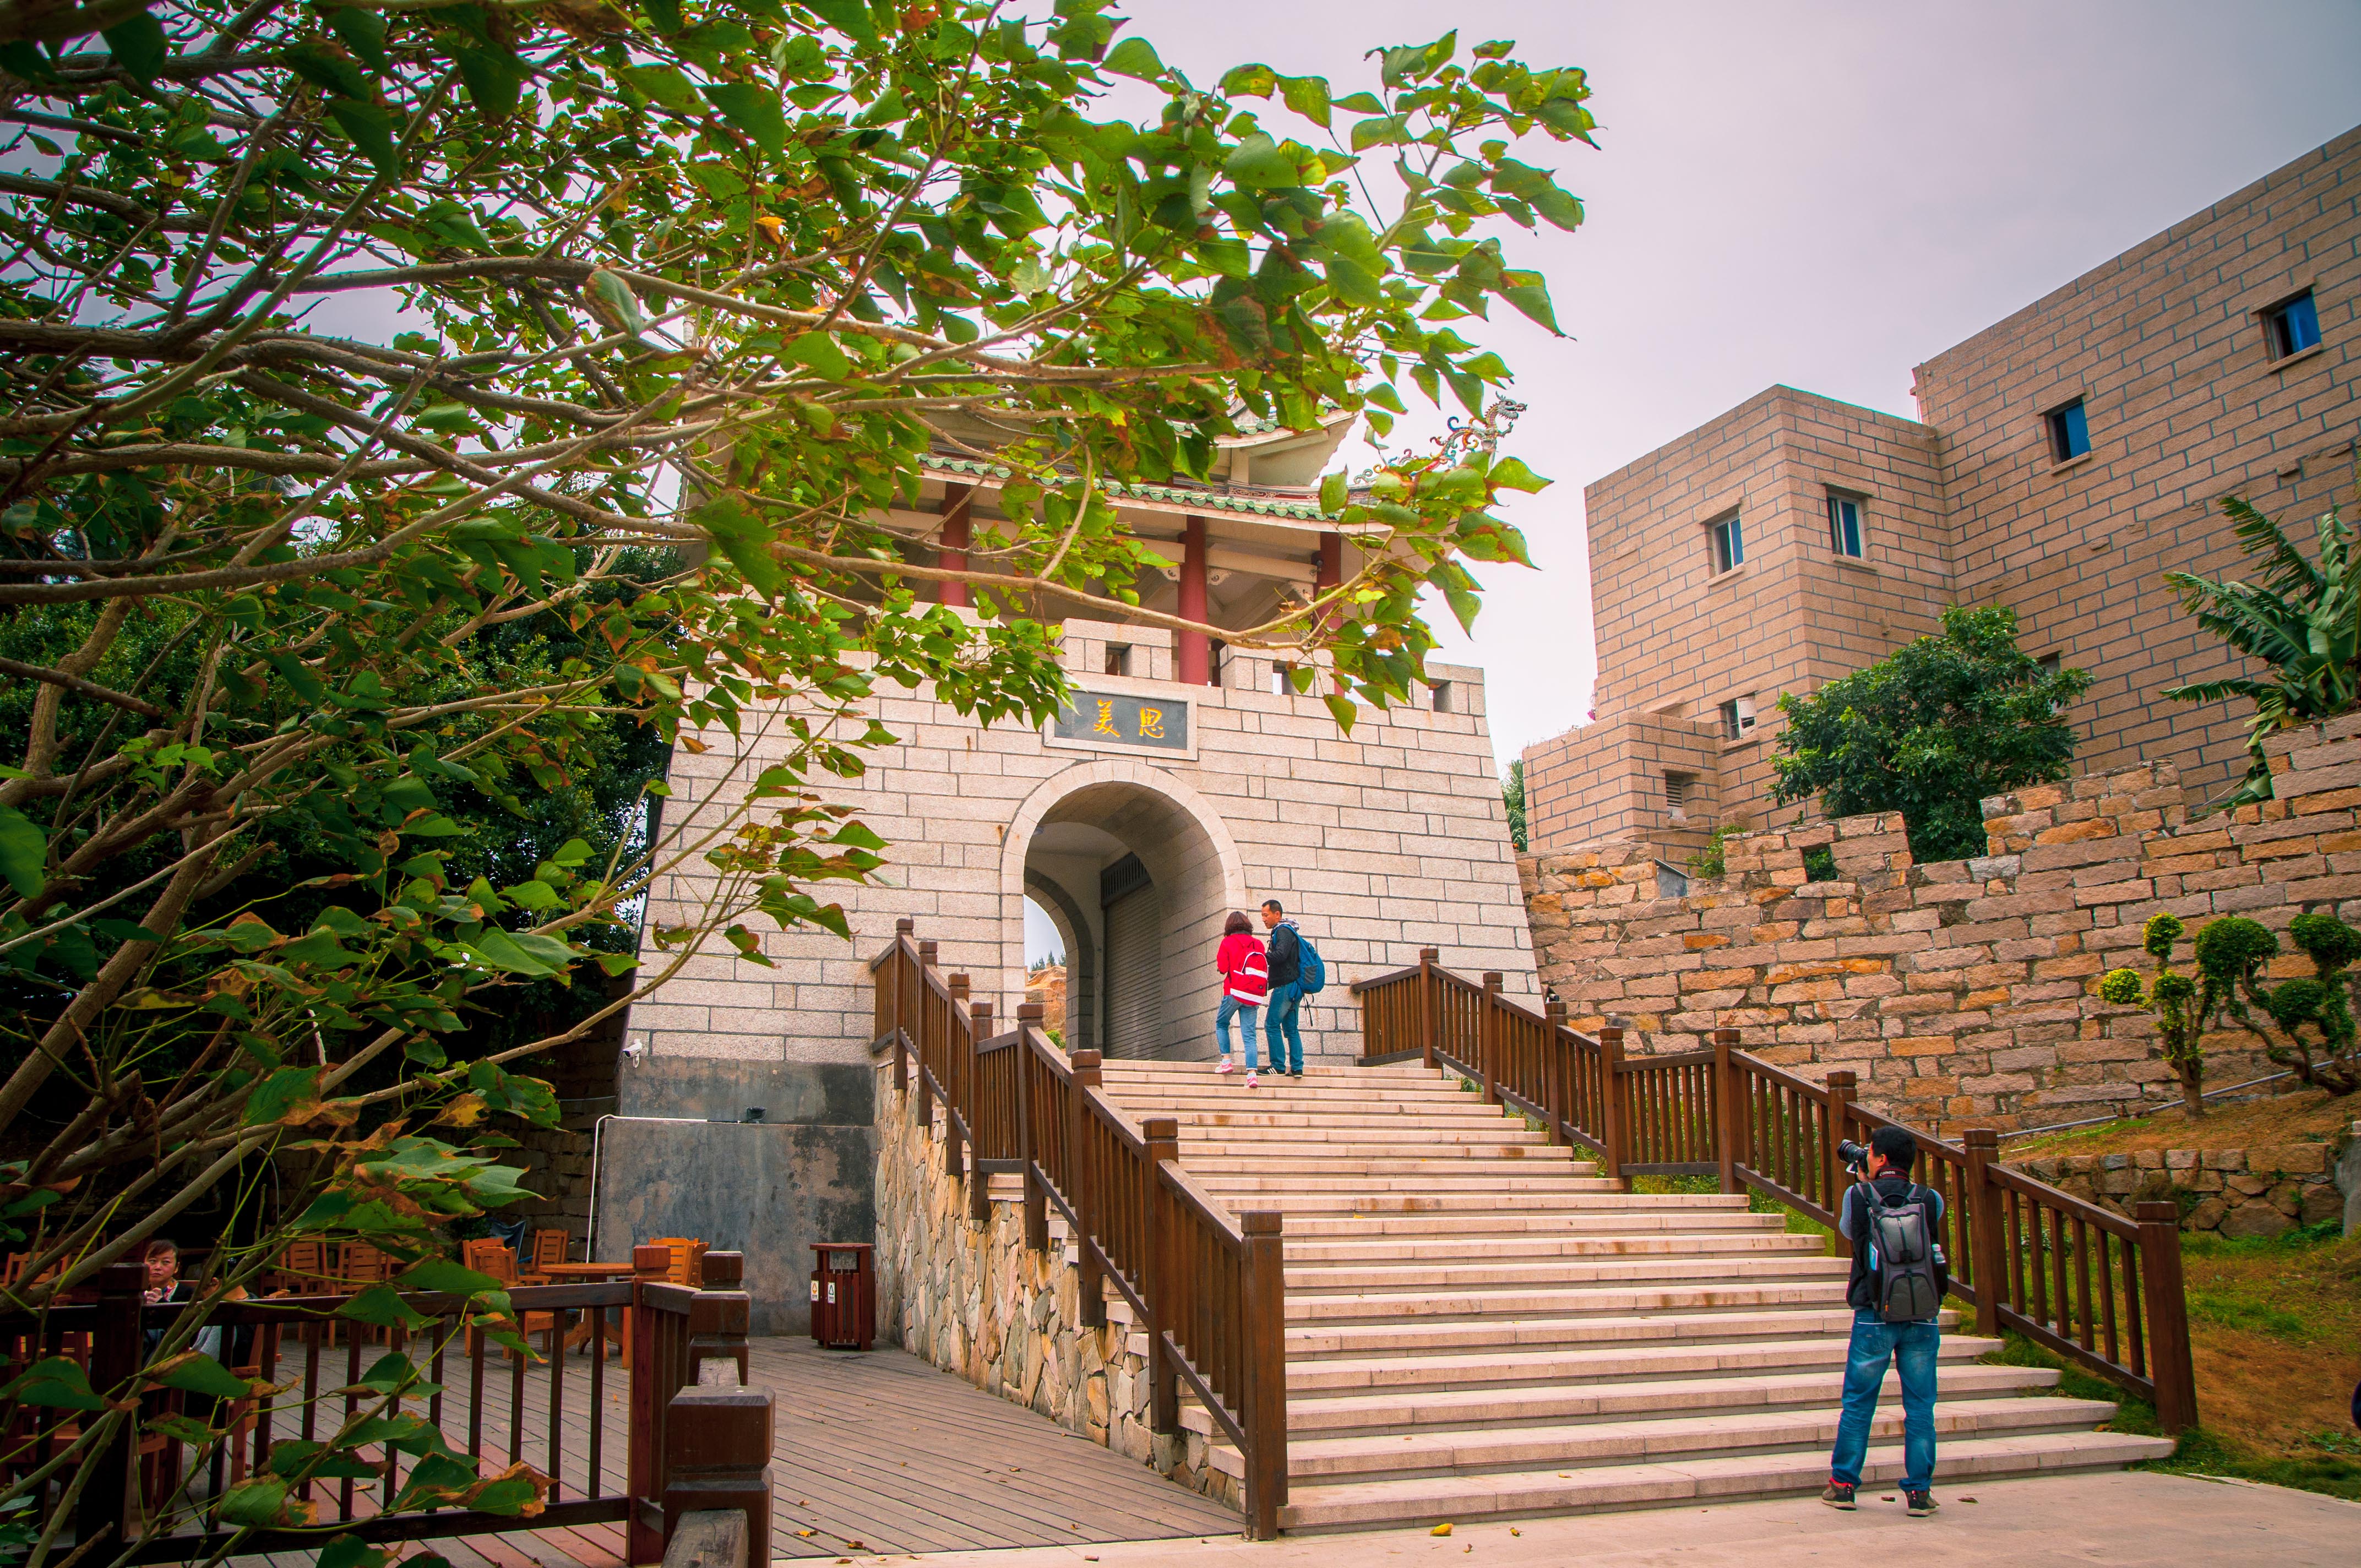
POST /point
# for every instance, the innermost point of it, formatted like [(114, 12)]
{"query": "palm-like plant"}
[(2303, 620)]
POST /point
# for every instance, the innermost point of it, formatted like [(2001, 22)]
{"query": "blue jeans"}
[(1230, 1008), (1912, 1348), (1279, 1015)]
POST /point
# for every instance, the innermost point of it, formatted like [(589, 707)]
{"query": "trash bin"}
[(843, 1295)]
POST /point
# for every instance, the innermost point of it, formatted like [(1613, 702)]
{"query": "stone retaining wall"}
[(1960, 991), (2235, 1192), (975, 1301)]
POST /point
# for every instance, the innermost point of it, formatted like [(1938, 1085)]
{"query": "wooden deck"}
[(876, 1453)]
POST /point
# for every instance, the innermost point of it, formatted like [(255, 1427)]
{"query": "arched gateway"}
[(1183, 781)]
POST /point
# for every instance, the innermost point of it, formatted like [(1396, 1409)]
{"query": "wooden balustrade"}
[(2078, 1279), (555, 1412), (1204, 1286)]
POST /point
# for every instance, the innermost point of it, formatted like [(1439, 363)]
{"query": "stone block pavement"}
[(2121, 1517)]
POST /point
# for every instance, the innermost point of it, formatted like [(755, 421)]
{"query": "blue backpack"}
[(1312, 975)]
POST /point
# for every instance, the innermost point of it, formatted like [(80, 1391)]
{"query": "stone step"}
[(1332, 1340), (1475, 1170), (1345, 1133), (1361, 1154), (1594, 1365), (1390, 1250), (1409, 1182), (1638, 1439), (1427, 1500), (1638, 1295), (1417, 1228), (1476, 1281), (1566, 1195), (1493, 1407), (1272, 1114)]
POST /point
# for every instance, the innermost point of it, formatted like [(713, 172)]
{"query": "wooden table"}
[(617, 1325)]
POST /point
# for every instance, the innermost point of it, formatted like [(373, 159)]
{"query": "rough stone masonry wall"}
[(1960, 991), (2237, 1192), (976, 1301)]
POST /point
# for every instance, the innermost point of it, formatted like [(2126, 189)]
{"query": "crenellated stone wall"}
[(975, 1301), (1960, 991)]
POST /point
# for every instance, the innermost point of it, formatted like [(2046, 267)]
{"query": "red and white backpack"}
[(1250, 982)]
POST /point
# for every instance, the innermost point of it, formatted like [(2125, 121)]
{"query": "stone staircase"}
[(1480, 1325)]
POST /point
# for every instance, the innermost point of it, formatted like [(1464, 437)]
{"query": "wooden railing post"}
[(1037, 1201), (718, 1318), (644, 1474), (116, 1351), (1837, 1127), (1984, 1228), (1430, 1002), (1611, 1129), (1163, 1138), (926, 1018), (954, 1044), (2168, 1314), (1264, 1410), (1080, 1195), (717, 1455), (978, 1185), (1554, 1068), (904, 927), (1488, 1037), (1728, 1111)]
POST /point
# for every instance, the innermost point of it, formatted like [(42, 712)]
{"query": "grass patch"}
[(2275, 1332), (2298, 1116), (1797, 1224)]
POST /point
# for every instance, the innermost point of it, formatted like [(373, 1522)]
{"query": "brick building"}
[(2065, 458)]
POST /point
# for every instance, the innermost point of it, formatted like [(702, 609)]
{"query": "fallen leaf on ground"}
[(1440, 1529)]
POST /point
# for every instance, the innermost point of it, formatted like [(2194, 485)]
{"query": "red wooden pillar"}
[(1192, 651), (957, 500)]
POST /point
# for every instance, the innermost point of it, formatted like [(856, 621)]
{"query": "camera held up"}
[(1855, 1157)]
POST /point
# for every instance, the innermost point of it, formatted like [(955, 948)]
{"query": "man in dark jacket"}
[(1286, 955), (1912, 1347)]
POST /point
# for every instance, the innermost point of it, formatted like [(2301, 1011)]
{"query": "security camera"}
[(636, 1050)]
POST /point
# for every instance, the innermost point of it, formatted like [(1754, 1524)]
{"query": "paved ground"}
[(2108, 1518)]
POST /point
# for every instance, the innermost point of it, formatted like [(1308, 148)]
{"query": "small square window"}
[(1442, 690), (1119, 659), (2050, 662), (1737, 717), (2293, 326), (2069, 432), (1679, 790), (1281, 686), (1729, 545), (1844, 525)]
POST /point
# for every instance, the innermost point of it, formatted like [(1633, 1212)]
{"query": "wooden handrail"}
[(2079, 1279), (1205, 1285)]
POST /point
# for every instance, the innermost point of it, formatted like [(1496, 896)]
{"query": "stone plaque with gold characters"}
[(1115, 718)]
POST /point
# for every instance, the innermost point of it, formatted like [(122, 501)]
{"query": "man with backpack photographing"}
[(1899, 1279), (1296, 972)]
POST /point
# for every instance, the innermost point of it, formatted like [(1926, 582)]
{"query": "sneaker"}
[(1922, 1503), (1250, 1078), (1840, 1496), (1224, 1067)]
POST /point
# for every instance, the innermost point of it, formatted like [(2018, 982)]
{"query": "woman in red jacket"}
[(1246, 980)]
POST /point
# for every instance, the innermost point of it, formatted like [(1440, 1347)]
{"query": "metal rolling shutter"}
[(1133, 979)]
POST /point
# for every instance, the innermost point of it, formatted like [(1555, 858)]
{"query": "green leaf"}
[(330, 72), (1532, 300), (24, 850), (371, 130), (362, 31), (621, 305), (1135, 56), (285, 1091), (139, 44), (1335, 489), (753, 110), (1308, 97), (1511, 473), (819, 351), (499, 950), (197, 1372), (663, 84), (1340, 707), (352, 1551), (442, 1274), (1260, 163), (495, 77), (259, 1500), (57, 1383), (1362, 103), (380, 1307)]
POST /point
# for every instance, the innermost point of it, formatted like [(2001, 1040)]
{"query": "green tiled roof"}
[(1251, 503)]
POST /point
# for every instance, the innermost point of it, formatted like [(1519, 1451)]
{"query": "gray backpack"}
[(1904, 1278)]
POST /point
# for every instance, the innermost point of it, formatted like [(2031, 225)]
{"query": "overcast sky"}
[(1823, 195)]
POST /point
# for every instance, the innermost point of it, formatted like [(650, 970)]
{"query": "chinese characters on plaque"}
[(1108, 720)]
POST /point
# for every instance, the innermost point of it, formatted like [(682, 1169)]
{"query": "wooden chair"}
[(548, 1246), (304, 1270), (687, 1262), (490, 1255)]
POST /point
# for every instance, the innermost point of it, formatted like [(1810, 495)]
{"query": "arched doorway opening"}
[(1138, 873)]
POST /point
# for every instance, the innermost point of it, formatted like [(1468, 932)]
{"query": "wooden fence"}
[(1204, 1286), (599, 1440), (2078, 1279)]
